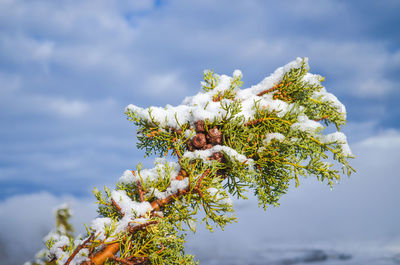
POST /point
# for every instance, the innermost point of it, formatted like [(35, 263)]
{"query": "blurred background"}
[(69, 68)]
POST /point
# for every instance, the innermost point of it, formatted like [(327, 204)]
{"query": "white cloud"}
[(53, 106), (47, 105), (388, 139), (79, 34), (376, 86), (98, 40), (358, 131), (165, 85), (359, 68), (44, 50), (30, 217), (67, 108)]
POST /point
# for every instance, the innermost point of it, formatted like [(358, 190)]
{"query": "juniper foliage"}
[(63, 229), (224, 142)]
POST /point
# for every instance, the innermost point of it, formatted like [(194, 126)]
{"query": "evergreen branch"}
[(322, 118), (249, 141), (140, 190), (134, 229), (269, 90), (117, 207), (122, 261), (255, 122), (198, 183), (107, 252), (111, 249), (78, 248)]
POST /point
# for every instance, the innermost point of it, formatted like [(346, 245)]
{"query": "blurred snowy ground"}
[(281, 253)]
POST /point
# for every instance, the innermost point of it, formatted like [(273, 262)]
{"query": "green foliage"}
[(260, 139), (162, 242), (63, 229), (301, 153)]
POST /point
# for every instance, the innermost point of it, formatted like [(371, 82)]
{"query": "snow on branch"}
[(224, 141)]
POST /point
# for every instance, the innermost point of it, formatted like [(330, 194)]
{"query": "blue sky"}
[(69, 68), (67, 71)]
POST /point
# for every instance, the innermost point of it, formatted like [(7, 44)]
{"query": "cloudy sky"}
[(69, 68)]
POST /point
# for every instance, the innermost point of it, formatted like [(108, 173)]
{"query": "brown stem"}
[(140, 190), (269, 90), (111, 249), (157, 204), (137, 261), (201, 178), (198, 183), (323, 118), (140, 260), (117, 206), (162, 249), (199, 192), (254, 122), (107, 252), (133, 229), (178, 154), (78, 248), (120, 260)]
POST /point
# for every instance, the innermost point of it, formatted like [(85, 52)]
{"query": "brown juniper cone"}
[(218, 156), (181, 174), (199, 140), (214, 136), (199, 125), (177, 131), (190, 146), (207, 146)]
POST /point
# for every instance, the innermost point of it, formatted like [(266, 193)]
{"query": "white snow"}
[(312, 79), (201, 106), (174, 187), (148, 175), (128, 206), (205, 154), (306, 125), (80, 257), (341, 139), (237, 73), (61, 241), (275, 78), (325, 96), (64, 206), (98, 226), (219, 197), (57, 249), (128, 177), (270, 136), (189, 133)]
